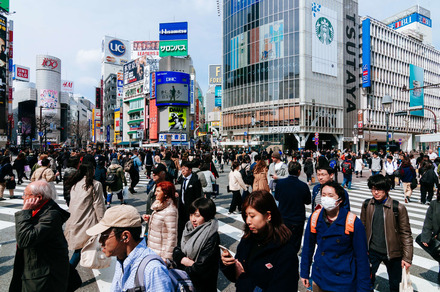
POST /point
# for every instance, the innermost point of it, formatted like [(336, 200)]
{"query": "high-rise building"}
[(290, 70)]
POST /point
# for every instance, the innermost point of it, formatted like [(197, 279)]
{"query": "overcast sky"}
[(73, 30)]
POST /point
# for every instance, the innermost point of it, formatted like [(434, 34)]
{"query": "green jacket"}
[(42, 261)]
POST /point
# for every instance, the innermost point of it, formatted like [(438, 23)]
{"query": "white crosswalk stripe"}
[(230, 226)]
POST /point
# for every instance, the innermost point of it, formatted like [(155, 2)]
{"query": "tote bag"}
[(92, 256)]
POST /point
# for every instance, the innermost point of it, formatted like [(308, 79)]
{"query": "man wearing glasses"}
[(120, 230)]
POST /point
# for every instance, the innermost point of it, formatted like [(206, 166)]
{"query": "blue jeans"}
[(74, 260), (347, 180), (375, 172)]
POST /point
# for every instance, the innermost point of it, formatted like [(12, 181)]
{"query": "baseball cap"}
[(276, 155), (123, 216), (158, 168)]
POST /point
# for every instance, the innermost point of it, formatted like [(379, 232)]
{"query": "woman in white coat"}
[(236, 184), (358, 166), (86, 209)]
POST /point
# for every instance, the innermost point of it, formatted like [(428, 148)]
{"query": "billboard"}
[(172, 88), (215, 74), (324, 40), (191, 94), (173, 31), (416, 96), (21, 73), (153, 119), (366, 53), (4, 5), (117, 126), (415, 17), (3, 59), (176, 118), (49, 101), (134, 70), (67, 86), (119, 86), (46, 62), (115, 51), (272, 41), (173, 48), (147, 72), (218, 96), (145, 48)]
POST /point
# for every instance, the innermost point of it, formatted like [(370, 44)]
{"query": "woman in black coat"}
[(19, 164), (427, 182), (198, 253)]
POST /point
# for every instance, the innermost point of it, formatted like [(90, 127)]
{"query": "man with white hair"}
[(41, 260)]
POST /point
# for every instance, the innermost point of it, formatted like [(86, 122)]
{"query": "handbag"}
[(414, 183), (396, 173), (228, 189), (406, 284), (433, 248), (92, 256)]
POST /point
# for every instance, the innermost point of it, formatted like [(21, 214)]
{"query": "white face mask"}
[(328, 203)]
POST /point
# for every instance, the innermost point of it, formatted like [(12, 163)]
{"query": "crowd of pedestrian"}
[(339, 250)]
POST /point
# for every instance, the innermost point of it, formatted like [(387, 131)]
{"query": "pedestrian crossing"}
[(424, 269)]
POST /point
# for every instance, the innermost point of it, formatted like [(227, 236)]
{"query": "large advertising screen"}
[(173, 31), (324, 40), (176, 118), (272, 41), (49, 101), (153, 119), (173, 48), (218, 96), (134, 70), (366, 53), (416, 96), (115, 51), (172, 88), (144, 48)]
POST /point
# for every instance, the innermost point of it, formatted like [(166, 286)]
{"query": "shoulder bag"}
[(92, 256)]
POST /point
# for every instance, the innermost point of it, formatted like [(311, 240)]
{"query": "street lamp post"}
[(387, 101)]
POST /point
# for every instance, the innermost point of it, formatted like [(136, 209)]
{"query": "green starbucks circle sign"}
[(324, 30)]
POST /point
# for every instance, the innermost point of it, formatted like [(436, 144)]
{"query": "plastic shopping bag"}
[(406, 284), (125, 193)]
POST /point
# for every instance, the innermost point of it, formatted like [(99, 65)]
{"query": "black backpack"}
[(111, 177), (346, 167), (248, 176)]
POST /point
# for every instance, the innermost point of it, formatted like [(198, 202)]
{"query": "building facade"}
[(393, 61), (289, 71)]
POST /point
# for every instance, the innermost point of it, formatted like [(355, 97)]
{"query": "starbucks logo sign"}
[(324, 30)]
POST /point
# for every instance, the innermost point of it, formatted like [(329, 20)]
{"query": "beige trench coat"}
[(43, 172), (86, 209)]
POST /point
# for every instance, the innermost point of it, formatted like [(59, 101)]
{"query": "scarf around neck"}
[(194, 239)]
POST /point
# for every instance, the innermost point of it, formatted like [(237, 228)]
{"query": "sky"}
[(73, 31)]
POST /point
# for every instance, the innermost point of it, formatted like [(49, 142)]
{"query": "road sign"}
[(313, 138), (245, 133), (316, 134), (316, 142), (41, 134)]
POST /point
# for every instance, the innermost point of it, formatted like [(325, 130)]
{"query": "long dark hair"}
[(263, 202), (85, 170)]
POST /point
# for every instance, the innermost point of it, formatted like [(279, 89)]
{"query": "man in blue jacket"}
[(325, 174), (292, 195)]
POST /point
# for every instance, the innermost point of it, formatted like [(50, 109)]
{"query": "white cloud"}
[(85, 59), (87, 81)]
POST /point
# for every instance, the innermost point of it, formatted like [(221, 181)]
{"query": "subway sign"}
[(173, 48)]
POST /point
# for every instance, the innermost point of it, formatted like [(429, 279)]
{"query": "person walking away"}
[(148, 163), (407, 174), (37, 253), (44, 172), (260, 176), (162, 223), (266, 259), (7, 177), (210, 180), (376, 163), (292, 204), (171, 167), (236, 184), (308, 169), (190, 191), (72, 168), (198, 253), (101, 172), (120, 231), (388, 231), (325, 175), (347, 169), (19, 164), (86, 208), (277, 170), (359, 165), (115, 182), (196, 170), (134, 172), (431, 225), (427, 182), (390, 167), (341, 257)]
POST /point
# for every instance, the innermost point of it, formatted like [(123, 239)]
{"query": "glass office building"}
[(284, 72)]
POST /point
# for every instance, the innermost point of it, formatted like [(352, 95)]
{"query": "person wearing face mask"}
[(341, 257)]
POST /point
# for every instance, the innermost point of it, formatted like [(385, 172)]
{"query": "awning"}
[(124, 143)]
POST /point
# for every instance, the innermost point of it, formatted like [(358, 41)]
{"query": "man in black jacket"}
[(41, 261), (190, 191), (292, 203)]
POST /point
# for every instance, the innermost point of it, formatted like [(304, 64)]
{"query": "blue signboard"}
[(416, 96), (173, 31), (366, 53), (415, 17), (108, 133), (218, 96), (172, 88)]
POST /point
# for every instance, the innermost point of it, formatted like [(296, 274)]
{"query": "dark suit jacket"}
[(193, 191)]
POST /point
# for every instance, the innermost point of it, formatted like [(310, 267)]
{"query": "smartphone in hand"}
[(223, 249)]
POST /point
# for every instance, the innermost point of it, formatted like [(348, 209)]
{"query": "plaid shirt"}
[(156, 274)]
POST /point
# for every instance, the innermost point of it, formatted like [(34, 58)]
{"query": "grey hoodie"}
[(376, 164)]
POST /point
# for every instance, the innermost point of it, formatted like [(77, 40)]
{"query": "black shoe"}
[(409, 200)]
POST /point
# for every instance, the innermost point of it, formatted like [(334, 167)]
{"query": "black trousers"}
[(297, 233), (134, 175), (392, 179), (236, 201), (394, 269), (426, 188)]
